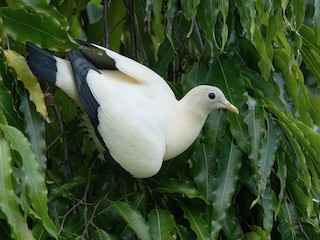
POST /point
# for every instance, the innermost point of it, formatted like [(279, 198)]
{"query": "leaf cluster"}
[(249, 176)]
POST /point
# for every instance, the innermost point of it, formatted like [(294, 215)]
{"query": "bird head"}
[(208, 98)]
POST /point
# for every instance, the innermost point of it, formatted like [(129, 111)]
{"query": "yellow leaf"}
[(30, 82)]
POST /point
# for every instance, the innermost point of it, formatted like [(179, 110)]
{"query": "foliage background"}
[(249, 176)]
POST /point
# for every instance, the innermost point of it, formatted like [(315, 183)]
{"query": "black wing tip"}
[(96, 56), (84, 43), (42, 63)]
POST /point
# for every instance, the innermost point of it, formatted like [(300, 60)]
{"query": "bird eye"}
[(211, 95)]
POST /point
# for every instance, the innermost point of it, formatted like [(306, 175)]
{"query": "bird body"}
[(133, 111)]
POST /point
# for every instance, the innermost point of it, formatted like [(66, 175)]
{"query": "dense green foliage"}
[(249, 176)]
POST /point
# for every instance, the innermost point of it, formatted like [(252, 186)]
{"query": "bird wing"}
[(108, 59), (121, 115)]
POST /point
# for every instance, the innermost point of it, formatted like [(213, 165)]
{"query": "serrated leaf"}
[(133, 218), (267, 152), (225, 183), (33, 177), (268, 208), (231, 227), (194, 216), (161, 224), (23, 26), (24, 74), (43, 8), (17, 223), (255, 121), (180, 186)]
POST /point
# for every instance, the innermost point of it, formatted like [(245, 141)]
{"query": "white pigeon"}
[(136, 117)]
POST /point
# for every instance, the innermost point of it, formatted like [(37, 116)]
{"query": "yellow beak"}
[(232, 108)]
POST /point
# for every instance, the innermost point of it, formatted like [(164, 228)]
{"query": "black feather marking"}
[(42, 64), (101, 60), (81, 66), (96, 56)]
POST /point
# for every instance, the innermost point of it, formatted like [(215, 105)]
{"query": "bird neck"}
[(184, 128)]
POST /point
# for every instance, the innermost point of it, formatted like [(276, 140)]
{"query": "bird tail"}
[(42, 64), (51, 69)]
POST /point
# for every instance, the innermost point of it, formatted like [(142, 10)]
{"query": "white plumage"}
[(136, 114)]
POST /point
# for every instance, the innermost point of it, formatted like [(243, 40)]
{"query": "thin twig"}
[(182, 49), (84, 198), (51, 102), (105, 20)]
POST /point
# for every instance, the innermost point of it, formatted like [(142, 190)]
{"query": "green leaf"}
[(180, 186), (8, 108), (315, 109), (207, 17), (247, 14), (257, 234), (24, 74), (23, 26), (116, 23), (294, 83), (255, 121), (225, 183), (35, 129), (282, 174), (231, 226), (32, 175), (316, 19), (260, 45), (310, 51), (298, 14), (103, 235), (224, 9), (162, 224), (184, 233), (269, 146), (170, 14), (194, 216), (43, 8), (17, 223), (133, 218), (205, 154), (268, 208), (189, 8)]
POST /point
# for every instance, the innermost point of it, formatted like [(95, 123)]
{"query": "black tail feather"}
[(42, 64)]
